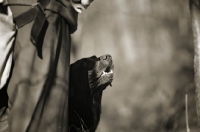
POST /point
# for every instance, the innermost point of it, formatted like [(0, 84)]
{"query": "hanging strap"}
[(40, 21)]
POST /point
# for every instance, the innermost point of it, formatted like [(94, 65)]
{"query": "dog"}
[(88, 78)]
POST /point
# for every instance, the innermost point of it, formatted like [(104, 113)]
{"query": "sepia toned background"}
[(152, 48)]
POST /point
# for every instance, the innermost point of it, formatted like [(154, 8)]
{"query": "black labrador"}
[(88, 78)]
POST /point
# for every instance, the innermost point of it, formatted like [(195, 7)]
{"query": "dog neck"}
[(96, 108)]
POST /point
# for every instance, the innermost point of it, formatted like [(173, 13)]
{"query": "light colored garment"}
[(7, 37)]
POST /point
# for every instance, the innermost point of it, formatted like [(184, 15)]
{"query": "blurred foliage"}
[(152, 48)]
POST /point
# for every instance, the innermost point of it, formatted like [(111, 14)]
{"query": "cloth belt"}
[(37, 13), (61, 7)]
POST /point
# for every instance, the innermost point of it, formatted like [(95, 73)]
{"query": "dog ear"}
[(71, 91), (74, 70)]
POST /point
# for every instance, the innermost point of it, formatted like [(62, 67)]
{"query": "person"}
[(38, 85)]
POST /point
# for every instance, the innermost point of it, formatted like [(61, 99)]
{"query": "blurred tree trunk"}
[(195, 15)]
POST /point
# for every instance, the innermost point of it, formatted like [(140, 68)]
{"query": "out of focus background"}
[(152, 48)]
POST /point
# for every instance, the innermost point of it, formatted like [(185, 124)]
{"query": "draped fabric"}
[(7, 37), (38, 87)]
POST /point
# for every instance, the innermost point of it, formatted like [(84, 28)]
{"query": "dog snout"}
[(85, 3)]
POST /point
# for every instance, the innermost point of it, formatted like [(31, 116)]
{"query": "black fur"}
[(86, 88)]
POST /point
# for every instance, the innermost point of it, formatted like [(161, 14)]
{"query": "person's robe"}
[(38, 86)]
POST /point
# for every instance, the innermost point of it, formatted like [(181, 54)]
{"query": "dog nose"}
[(85, 3)]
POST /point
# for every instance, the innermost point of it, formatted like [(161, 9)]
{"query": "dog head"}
[(95, 72), (100, 75)]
